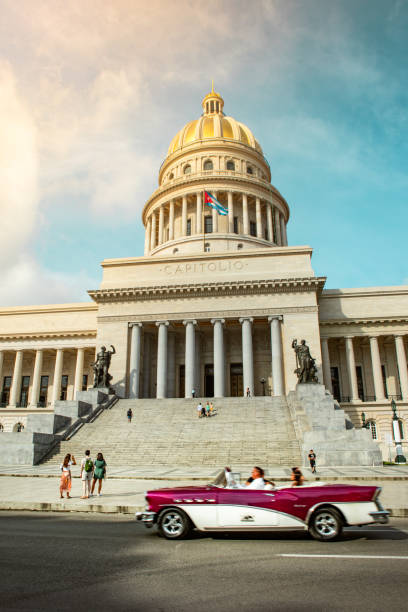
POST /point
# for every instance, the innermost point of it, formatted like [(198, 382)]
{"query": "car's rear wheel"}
[(174, 524), (326, 524)]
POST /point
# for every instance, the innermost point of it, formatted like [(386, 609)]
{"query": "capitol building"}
[(214, 303)]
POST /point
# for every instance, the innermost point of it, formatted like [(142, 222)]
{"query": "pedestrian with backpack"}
[(87, 470)]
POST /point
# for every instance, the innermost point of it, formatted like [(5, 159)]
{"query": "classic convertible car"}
[(224, 505)]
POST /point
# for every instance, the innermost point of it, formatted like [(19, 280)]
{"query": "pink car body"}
[(323, 509)]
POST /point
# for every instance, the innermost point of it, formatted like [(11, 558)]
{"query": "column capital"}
[(400, 335), (193, 321), (272, 317), (158, 323), (135, 324), (222, 321), (374, 336), (324, 338), (349, 337), (242, 319)]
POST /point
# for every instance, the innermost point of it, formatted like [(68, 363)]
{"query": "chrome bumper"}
[(148, 518), (381, 516)]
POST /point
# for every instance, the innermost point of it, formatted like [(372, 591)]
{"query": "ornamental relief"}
[(178, 316)]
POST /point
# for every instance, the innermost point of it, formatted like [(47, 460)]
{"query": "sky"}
[(93, 91)]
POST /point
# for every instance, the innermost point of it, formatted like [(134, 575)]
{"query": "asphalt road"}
[(96, 562)]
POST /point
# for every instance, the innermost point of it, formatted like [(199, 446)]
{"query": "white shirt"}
[(257, 483)]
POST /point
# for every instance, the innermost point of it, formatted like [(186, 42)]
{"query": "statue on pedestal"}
[(306, 370), (100, 367)]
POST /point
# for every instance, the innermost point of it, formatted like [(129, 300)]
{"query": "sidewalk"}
[(37, 487)]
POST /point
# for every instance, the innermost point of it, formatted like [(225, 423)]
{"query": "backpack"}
[(88, 465)]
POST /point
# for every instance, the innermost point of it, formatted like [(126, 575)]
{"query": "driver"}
[(256, 480)]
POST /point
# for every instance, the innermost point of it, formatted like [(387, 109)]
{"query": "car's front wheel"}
[(326, 524), (174, 524)]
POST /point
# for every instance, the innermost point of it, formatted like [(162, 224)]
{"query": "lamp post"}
[(397, 435), (263, 381), (363, 418)]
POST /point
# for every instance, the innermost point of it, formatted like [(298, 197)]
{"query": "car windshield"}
[(223, 482)]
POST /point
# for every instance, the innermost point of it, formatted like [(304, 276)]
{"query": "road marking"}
[(341, 556)]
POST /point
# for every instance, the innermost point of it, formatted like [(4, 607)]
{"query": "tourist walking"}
[(312, 460), (199, 409), (129, 415), (66, 476), (193, 393), (87, 468), (248, 392), (207, 410), (99, 472), (296, 477)]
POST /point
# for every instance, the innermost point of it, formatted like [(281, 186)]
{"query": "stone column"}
[(247, 354), (199, 213), (56, 387), (153, 234), (184, 216), (79, 371), (161, 224), (147, 237), (269, 221), (258, 218), (162, 359), (351, 369), (190, 357), (214, 215), (284, 234), (377, 373), (197, 380), (171, 364), (134, 360), (146, 365), (219, 358), (1, 365), (326, 365), (277, 356), (171, 220), (402, 366), (245, 217), (282, 229), (277, 227), (16, 382), (230, 213)]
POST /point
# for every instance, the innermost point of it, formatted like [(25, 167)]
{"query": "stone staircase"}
[(257, 431)]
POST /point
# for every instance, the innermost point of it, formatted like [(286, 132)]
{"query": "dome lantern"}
[(213, 103)]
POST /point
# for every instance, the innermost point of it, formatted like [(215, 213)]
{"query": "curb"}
[(104, 509)]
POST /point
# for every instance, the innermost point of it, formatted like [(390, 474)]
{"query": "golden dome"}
[(213, 124)]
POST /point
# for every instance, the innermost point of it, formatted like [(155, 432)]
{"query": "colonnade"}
[(165, 214), (376, 366), (38, 372), (165, 375)]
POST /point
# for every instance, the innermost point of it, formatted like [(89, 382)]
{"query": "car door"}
[(245, 508)]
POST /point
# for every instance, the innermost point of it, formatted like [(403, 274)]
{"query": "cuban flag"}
[(214, 203)]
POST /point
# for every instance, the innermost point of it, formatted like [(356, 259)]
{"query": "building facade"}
[(215, 302)]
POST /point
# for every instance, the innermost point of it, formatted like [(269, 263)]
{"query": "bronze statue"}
[(306, 370), (100, 367)]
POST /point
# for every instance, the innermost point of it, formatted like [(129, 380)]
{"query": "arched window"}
[(18, 427), (230, 165), (208, 165), (207, 247), (187, 169), (250, 170), (373, 428)]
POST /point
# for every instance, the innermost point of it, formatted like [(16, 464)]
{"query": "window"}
[(217, 106), (5, 395), (373, 428), (240, 246), (188, 233), (207, 247), (18, 427), (266, 234), (25, 384), (212, 106), (208, 165), (64, 387), (360, 384), (171, 176), (384, 378), (187, 169), (208, 226), (335, 380), (236, 225), (230, 165), (84, 382), (252, 228), (175, 251), (250, 170), (43, 391)]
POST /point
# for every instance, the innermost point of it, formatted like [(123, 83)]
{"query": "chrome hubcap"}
[(173, 523), (326, 524)]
